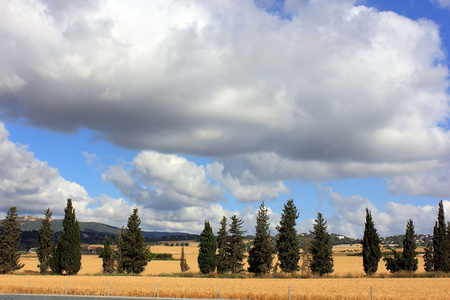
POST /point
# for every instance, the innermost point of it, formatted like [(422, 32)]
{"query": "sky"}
[(194, 110)]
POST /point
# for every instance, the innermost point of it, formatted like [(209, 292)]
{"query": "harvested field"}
[(268, 289)]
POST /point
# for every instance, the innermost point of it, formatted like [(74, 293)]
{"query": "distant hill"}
[(92, 232), (29, 223)]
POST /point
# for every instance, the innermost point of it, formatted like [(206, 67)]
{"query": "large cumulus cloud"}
[(334, 83)]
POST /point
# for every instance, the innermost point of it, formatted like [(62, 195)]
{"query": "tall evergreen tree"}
[(9, 243), (406, 260), (133, 249), (441, 243), (370, 246), (109, 263), (67, 256), (260, 255), (236, 247), (118, 253), (287, 242), (321, 249), (222, 246), (409, 249), (428, 257), (45, 248), (206, 259), (183, 264)]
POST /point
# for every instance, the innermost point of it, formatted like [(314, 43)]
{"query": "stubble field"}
[(91, 282)]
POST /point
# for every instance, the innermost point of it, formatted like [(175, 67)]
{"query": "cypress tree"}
[(222, 246), (45, 248), (236, 246), (428, 257), (321, 249), (206, 259), (108, 256), (406, 260), (118, 254), (370, 246), (441, 243), (183, 264), (9, 243), (260, 254), (287, 242), (133, 249), (67, 256), (410, 262)]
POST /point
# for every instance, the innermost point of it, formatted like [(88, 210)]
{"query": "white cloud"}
[(442, 3), (349, 215), (164, 181), (435, 183), (29, 183), (246, 187), (338, 89)]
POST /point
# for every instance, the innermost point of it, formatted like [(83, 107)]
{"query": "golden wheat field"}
[(268, 289), (91, 282)]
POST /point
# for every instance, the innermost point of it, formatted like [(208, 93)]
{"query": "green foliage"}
[(428, 258), (441, 243), (394, 262), (260, 254), (160, 256), (133, 250), (45, 249), (410, 262), (236, 246), (371, 251), (287, 243), (222, 245), (66, 258), (9, 243), (405, 261), (321, 249), (183, 264), (206, 259), (109, 262)]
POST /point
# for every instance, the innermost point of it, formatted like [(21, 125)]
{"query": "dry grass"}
[(338, 287), (357, 288), (92, 264)]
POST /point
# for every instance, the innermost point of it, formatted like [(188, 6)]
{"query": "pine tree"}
[(9, 243), (222, 246), (287, 243), (428, 257), (236, 247), (45, 248), (441, 243), (67, 256), (206, 259), (410, 262), (370, 246), (321, 249), (406, 260), (260, 254), (109, 263), (183, 264), (133, 249), (118, 254)]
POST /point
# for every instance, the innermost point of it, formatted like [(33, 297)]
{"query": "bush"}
[(160, 256)]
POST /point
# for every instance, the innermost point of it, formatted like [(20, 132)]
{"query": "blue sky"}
[(194, 110)]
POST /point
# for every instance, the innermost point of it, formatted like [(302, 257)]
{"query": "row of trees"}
[(317, 255), (64, 257), (226, 253)]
